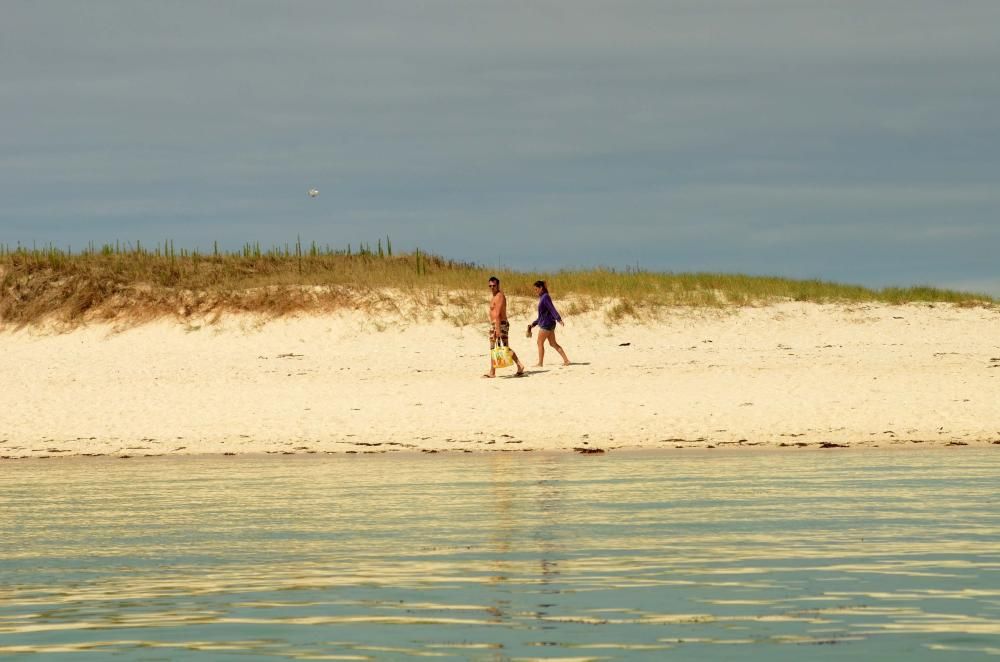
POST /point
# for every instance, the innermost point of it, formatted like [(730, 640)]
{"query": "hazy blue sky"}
[(851, 140)]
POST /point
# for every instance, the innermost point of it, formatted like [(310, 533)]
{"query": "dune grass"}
[(130, 284)]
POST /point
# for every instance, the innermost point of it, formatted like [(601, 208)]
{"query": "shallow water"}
[(688, 555)]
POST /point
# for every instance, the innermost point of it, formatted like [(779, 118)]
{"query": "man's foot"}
[(488, 376), (567, 363), (537, 365), (520, 371)]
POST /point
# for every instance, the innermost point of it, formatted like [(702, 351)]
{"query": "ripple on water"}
[(496, 557)]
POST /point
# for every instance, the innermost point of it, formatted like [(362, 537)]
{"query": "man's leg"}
[(520, 366), (505, 337), (493, 343)]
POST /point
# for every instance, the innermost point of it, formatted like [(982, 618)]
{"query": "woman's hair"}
[(541, 284)]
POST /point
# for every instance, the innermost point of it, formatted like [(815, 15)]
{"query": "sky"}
[(855, 141)]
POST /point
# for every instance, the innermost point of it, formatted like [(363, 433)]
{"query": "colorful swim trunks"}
[(504, 333)]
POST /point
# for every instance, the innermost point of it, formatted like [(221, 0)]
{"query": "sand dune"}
[(790, 375)]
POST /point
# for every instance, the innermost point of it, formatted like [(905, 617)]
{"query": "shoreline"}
[(706, 452), (776, 377)]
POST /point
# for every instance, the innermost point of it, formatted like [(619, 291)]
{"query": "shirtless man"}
[(499, 326)]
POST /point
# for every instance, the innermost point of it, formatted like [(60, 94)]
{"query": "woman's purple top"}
[(547, 313)]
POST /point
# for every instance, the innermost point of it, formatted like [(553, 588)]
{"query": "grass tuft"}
[(130, 284)]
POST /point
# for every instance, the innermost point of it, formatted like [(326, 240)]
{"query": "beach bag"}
[(501, 356)]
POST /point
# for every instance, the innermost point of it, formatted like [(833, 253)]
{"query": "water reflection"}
[(504, 556)]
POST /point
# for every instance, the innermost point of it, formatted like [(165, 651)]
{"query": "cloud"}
[(675, 133)]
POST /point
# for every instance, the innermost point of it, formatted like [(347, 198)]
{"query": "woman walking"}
[(546, 323)]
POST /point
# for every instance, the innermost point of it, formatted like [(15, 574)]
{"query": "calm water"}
[(709, 555)]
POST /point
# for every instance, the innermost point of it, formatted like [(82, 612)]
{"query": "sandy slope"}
[(794, 374)]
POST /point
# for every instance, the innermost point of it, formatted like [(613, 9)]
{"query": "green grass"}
[(136, 283)]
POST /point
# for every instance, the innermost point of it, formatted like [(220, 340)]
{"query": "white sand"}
[(868, 375)]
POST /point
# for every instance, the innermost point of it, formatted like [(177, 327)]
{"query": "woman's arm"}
[(547, 302), (541, 302)]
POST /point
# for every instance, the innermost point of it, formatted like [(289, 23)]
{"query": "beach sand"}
[(793, 375)]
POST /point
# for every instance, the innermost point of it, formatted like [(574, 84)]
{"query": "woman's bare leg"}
[(556, 346), (541, 347)]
